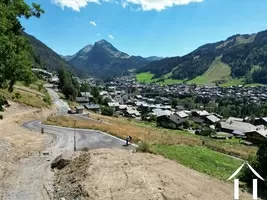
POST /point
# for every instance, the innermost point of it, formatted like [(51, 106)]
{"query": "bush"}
[(143, 147), (17, 95), (206, 132), (47, 99), (108, 111), (1, 117), (40, 86)]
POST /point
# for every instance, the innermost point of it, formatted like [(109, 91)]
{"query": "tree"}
[(107, 111), (85, 87), (15, 52), (69, 91), (174, 103), (259, 163)]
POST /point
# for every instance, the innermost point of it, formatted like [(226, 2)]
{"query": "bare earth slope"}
[(106, 174), (17, 143)]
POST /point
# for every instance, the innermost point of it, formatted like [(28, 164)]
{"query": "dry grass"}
[(121, 127), (26, 97)]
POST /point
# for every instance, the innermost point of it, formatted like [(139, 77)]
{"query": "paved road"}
[(84, 138), (62, 106)]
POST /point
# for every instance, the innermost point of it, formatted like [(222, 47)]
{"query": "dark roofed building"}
[(92, 107), (82, 100), (170, 121)]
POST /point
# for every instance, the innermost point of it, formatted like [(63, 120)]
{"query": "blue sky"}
[(144, 27)]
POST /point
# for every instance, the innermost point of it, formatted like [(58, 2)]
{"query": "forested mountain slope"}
[(245, 54)]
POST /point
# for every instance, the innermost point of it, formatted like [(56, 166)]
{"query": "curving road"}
[(84, 137)]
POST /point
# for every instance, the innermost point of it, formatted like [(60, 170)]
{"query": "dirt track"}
[(16, 143), (117, 174)]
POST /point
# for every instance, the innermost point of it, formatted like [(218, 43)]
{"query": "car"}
[(71, 112)]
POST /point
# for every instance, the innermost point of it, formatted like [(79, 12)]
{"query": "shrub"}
[(40, 86), (17, 95), (47, 99), (206, 132), (143, 147), (107, 111), (1, 117)]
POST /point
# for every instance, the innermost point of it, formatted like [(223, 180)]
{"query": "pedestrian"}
[(128, 140)]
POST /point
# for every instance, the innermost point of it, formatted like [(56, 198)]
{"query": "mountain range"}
[(103, 60), (241, 57), (238, 57)]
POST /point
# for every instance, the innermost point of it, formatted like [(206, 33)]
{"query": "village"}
[(152, 103)]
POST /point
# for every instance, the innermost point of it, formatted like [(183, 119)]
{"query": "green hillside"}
[(217, 72), (239, 58)]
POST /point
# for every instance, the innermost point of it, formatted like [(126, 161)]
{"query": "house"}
[(170, 121), (200, 113), (132, 112), (113, 104), (211, 119), (199, 116), (87, 94), (230, 119), (82, 100), (261, 121), (79, 109), (257, 136), (182, 114), (92, 107), (159, 112), (237, 128)]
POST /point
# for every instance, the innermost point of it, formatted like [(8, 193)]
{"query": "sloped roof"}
[(182, 114), (213, 118), (238, 126)]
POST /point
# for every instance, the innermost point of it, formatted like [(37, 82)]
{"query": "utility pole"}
[(74, 136)]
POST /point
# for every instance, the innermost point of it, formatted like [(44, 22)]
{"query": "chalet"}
[(199, 116), (261, 121), (132, 112), (114, 105), (159, 112), (79, 109), (211, 119), (182, 114), (170, 121), (237, 128), (92, 107), (87, 94), (231, 119), (257, 136), (82, 100)]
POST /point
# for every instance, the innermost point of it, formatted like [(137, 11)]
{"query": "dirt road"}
[(105, 174)]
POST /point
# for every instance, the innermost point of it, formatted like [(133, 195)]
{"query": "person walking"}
[(128, 140)]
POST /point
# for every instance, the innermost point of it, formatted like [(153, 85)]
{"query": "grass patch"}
[(218, 71), (233, 82), (27, 98), (145, 77), (201, 159)]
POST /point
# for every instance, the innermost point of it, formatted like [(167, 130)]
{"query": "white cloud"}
[(74, 4), (157, 5), (111, 37), (145, 5), (93, 23), (98, 34)]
